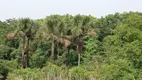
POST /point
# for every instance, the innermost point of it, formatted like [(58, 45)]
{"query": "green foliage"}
[(77, 73), (107, 24), (119, 69), (25, 74), (7, 66), (91, 47), (51, 71), (112, 47)]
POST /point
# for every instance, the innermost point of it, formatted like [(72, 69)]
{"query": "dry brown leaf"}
[(67, 43), (10, 36)]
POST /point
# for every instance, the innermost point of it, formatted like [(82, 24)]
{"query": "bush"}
[(53, 72), (25, 74), (6, 67), (79, 73)]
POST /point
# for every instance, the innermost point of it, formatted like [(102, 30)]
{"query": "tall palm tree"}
[(26, 28), (81, 28), (53, 30)]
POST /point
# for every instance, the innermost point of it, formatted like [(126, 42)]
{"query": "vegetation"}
[(66, 47)]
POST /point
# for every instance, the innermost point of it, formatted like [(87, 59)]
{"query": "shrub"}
[(25, 74)]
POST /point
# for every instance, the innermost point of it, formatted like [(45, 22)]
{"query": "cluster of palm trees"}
[(65, 30)]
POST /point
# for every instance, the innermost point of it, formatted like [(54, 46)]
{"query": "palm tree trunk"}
[(27, 57), (57, 49), (68, 52), (67, 55), (78, 59), (80, 48), (22, 54), (52, 51)]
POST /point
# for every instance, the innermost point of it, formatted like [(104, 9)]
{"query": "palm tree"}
[(81, 28), (55, 30), (26, 28), (52, 30)]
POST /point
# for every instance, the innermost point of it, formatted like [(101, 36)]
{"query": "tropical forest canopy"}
[(66, 47)]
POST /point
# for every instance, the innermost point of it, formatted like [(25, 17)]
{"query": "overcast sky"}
[(42, 8)]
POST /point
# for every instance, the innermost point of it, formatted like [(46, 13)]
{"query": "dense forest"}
[(66, 47)]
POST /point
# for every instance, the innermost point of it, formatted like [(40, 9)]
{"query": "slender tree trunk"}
[(67, 55), (52, 51), (23, 54), (78, 59), (68, 52), (57, 49), (80, 47), (78, 52), (27, 53)]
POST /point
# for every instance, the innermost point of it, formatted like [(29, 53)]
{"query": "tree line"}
[(82, 46)]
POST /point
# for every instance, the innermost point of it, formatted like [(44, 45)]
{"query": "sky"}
[(36, 9)]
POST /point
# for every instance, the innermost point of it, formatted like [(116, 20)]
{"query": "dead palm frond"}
[(10, 36), (26, 48), (67, 43)]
